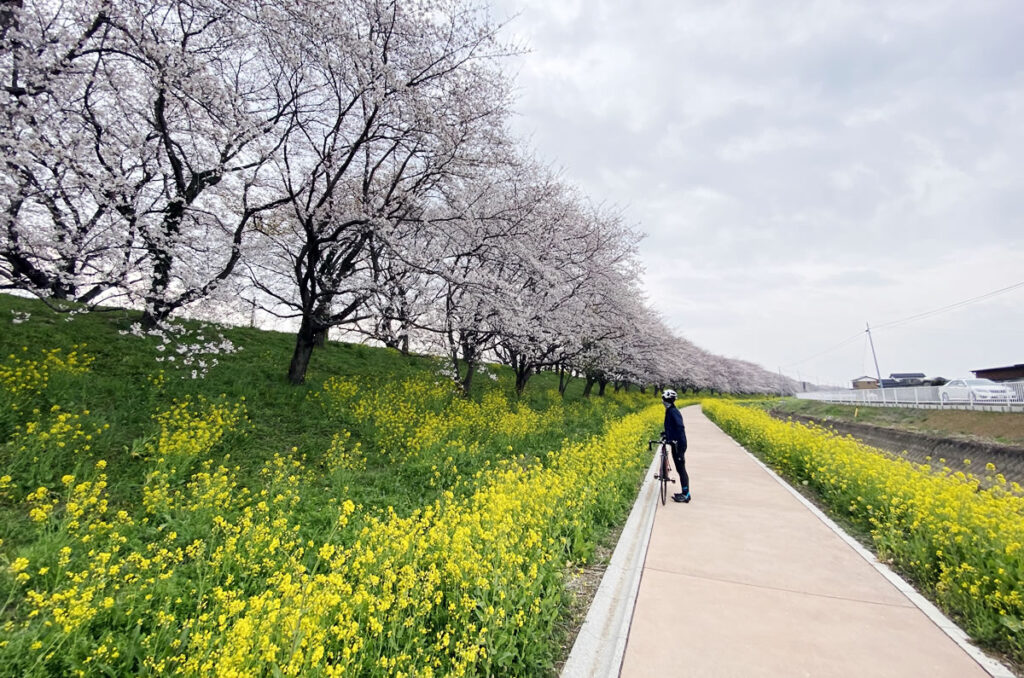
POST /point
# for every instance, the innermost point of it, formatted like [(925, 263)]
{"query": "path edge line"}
[(601, 643)]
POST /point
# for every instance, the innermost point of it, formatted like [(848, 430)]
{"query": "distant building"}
[(1011, 373), (865, 382)]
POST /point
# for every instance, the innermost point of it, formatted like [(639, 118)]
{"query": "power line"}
[(911, 318), (844, 342), (959, 304)]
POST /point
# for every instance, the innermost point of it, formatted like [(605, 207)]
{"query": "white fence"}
[(921, 396)]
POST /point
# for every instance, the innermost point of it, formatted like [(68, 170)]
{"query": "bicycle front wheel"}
[(664, 477)]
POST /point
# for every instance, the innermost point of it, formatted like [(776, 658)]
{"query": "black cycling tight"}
[(679, 456)]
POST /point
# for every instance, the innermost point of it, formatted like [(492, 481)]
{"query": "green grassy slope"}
[(124, 389)]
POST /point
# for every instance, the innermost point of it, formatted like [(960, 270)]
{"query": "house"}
[(865, 382), (1010, 373), (904, 379)]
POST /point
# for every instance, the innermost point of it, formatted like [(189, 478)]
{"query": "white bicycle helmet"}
[(668, 394)]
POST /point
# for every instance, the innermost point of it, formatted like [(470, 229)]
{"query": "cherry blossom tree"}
[(392, 98), (642, 351), (396, 301), (566, 288), (61, 235), (602, 329), (473, 254), (136, 137)]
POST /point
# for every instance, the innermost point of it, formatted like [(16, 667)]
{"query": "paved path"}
[(747, 581)]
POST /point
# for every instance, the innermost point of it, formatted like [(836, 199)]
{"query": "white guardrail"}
[(921, 396)]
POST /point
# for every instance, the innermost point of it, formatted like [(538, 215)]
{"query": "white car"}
[(976, 391)]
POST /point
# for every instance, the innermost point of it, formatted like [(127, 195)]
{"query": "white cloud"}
[(766, 141)]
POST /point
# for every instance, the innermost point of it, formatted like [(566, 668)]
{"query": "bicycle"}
[(663, 468)]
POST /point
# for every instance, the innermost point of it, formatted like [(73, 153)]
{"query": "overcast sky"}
[(801, 168)]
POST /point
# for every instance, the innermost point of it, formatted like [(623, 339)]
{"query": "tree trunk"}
[(589, 387), (91, 294), (522, 376), (469, 356), (155, 314), (467, 381), (305, 341), (157, 309), (602, 383), (563, 380), (320, 337)]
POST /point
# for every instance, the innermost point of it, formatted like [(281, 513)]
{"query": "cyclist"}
[(675, 434)]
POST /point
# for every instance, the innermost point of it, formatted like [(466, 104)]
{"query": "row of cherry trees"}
[(342, 163)]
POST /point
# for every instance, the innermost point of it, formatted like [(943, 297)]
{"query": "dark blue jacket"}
[(674, 429)]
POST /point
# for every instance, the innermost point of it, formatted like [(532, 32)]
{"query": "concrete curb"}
[(601, 642), (947, 625)]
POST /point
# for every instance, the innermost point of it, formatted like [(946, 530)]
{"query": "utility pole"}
[(873, 355)]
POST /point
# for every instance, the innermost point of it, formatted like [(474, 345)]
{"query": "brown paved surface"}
[(745, 581)]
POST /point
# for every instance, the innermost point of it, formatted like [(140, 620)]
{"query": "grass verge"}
[(1006, 428)]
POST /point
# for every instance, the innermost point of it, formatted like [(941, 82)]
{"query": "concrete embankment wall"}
[(1008, 460)]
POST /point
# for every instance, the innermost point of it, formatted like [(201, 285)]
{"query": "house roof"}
[(866, 378), (1008, 367), (907, 375)]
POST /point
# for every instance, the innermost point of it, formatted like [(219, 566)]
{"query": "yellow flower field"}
[(214, 567)]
